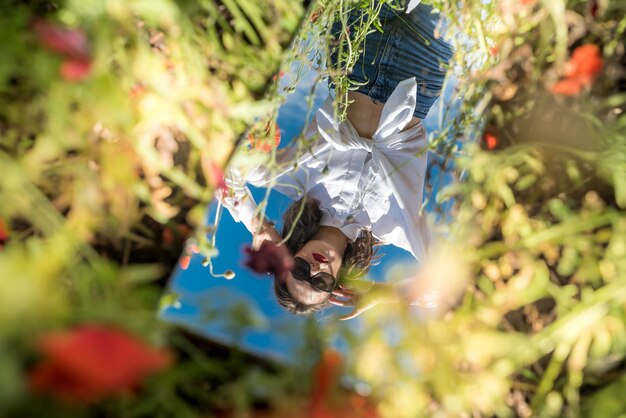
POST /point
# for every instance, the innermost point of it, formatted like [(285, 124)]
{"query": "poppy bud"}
[(491, 141), (184, 262)]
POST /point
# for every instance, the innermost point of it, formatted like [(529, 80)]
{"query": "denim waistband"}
[(406, 48)]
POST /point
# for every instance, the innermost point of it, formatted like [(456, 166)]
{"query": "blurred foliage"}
[(537, 223), (117, 118)]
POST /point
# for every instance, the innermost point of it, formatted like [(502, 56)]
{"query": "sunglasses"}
[(322, 281)]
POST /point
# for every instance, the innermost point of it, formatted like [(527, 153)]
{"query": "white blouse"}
[(361, 183)]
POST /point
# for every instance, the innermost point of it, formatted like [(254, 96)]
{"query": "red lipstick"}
[(320, 258)]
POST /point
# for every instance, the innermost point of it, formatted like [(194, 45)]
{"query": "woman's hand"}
[(348, 299), (361, 302), (239, 202)]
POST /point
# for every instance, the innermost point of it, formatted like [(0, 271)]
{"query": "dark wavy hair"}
[(301, 221)]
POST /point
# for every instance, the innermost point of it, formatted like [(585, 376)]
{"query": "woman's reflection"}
[(361, 183)]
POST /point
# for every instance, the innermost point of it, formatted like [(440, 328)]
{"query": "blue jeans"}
[(406, 48)]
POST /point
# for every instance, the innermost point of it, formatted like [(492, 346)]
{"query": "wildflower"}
[(324, 377), (568, 87), (585, 64), (259, 139), (71, 44), (75, 69), (184, 261), (491, 141), (4, 234), (92, 362), (316, 15), (269, 258), (583, 67)]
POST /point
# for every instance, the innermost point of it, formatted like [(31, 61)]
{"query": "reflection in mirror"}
[(325, 199)]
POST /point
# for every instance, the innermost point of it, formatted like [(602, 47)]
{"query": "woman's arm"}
[(262, 230), (240, 202), (245, 211), (425, 292), (241, 205), (377, 294)]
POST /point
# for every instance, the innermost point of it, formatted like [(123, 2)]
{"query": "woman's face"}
[(322, 257)]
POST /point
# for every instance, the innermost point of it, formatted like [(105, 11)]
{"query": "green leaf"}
[(608, 402), (619, 182), (137, 274), (169, 299)]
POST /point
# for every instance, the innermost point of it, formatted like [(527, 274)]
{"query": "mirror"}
[(364, 167)]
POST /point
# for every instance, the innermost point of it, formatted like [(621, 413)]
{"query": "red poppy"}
[(491, 141), (75, 69), (567, 87), (585, 64), (260, 140), (269, 258), (324, 378), (316, 15), (582, 68), (184, 261), (4, 234), (93, 362), (70, 43)]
